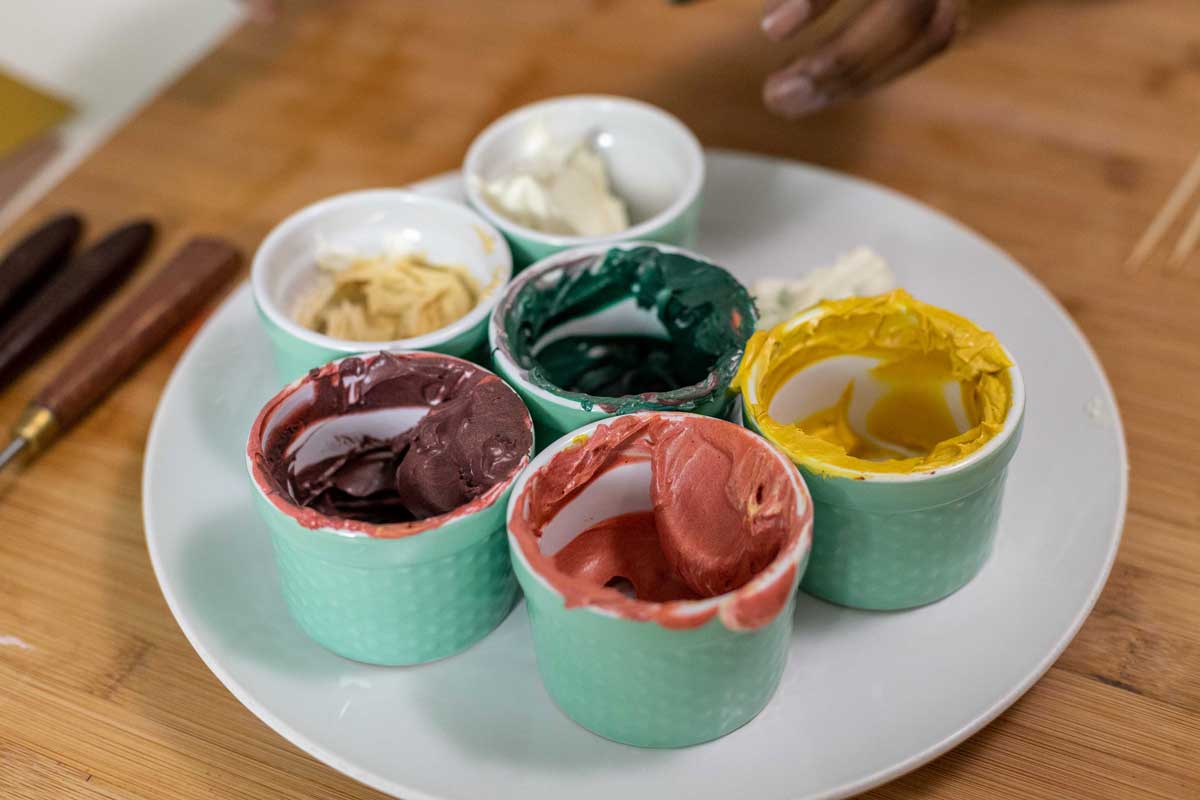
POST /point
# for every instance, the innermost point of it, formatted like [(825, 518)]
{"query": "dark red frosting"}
[(474, 434)]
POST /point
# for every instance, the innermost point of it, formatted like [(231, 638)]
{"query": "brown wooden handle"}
[(70, 295), (172, 297)]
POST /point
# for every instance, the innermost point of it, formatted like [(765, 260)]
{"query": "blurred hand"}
[(883, 40), (263, 10)]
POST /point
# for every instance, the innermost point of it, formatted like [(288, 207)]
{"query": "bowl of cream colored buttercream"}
[(586, 169), (378, 270)]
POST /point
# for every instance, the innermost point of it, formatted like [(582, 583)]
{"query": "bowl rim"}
[(1012, 424), (260, 269), (499, 345), (339, 528), (794, 554), (480, 145)]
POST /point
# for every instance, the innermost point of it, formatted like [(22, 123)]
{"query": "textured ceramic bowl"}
[(371, 222), (655, 165), (892, 541), (402, 593), (647, 682), (556, 412)]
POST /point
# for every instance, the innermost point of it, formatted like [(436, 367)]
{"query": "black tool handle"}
[(73, 293), (36, 257)]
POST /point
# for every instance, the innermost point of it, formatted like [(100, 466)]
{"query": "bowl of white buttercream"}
[(586, 169)]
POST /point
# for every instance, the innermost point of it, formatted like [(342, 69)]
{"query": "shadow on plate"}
[(488, 700), (230, 588), (514, 722)]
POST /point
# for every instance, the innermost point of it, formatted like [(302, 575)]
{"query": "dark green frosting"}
[(708, 317)]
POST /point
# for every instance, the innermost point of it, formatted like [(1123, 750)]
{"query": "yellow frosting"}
[(920, 349)]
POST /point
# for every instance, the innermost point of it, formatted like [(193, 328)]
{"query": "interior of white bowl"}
[(652, 159), (325, 437), (300, 397), (621, 490), (820, 385), (623, 318), (371, 223)]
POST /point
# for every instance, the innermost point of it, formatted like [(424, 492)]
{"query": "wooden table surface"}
[(1056, 129)]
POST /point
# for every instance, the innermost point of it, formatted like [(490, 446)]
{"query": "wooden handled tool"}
[(181, 288), (36, 257), (72, 293)]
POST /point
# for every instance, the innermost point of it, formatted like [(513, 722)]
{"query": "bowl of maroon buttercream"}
[(383, 480), (659, 553)]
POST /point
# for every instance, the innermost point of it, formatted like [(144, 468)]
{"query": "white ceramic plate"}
[(866, 696)]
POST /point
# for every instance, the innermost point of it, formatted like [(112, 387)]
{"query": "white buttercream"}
[(860, 273), (560, 187)]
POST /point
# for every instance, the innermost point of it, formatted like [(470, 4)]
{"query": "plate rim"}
[(865, 783)]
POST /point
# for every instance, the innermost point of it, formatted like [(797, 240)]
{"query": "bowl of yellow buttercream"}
[(902, 417), (382, 269)]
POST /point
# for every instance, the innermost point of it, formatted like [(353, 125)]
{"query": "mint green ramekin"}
[(655, 164), (396, 594), (643, 684), (555, 412), (891, 541), (370, 222)]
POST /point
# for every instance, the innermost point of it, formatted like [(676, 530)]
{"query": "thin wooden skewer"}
[(1187, 242), (1166, 215)]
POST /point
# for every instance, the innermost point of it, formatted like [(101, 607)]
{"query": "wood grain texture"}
[(1056, 129), (180, 288)]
